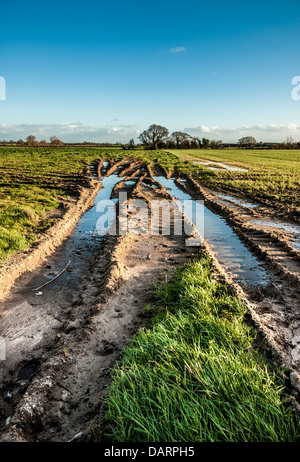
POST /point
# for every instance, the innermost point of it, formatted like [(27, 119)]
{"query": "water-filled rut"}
[(63, 338), (41, 301), (227, 246)]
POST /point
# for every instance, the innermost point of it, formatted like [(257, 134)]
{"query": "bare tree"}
[(154, 135), (194, 143), (247, 142), (185, 144), (289, 140), (31, 140), (55, 141), (170, 144), (179, 138), (214, 144), (198, 141), (290, 143)]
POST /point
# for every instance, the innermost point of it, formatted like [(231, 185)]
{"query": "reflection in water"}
[(241, 202), (226, 245), (294, 229), (88, 223), (287, 227), (222, 166), (129, 183)]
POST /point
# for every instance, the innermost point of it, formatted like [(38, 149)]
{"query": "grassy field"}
[(34, 182), (195, 375), (272, 174)]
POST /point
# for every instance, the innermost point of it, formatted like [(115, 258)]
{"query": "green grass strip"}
[(195, 375)]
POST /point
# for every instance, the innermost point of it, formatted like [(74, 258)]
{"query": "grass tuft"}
[(195, 375)]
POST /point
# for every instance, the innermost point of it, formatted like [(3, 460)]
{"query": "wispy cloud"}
[(177, 50)]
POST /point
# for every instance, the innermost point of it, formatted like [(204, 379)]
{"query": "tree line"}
[(32, 141), (158, 137)]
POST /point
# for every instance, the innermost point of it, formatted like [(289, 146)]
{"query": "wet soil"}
[(277, 303), (63, 339)]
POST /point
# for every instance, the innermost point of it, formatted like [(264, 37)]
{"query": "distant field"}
[(51, 161), (272, 174), (250, 158), (35, 183)]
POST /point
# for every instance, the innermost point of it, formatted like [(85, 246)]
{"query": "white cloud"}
[(206, 129), (78, 132), (69, 132), (177, 50), (262, 132)]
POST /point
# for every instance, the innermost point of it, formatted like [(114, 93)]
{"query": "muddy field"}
[(71, 304)]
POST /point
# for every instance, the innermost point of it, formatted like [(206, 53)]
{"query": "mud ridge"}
[(281, 209), (63, 398), (275, 354), (247, 234), (68, 374), (278, 340), (30, 259), (275, 307)]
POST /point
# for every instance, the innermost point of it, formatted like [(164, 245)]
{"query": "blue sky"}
[(104, 72)]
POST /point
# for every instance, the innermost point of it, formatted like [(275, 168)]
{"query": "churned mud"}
[(277, 300), (68, 317)]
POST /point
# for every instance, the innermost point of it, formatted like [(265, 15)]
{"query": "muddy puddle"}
[(276, 224), (236, 200), (93, 170), (130, 182), (23, 378), (44, 298), (72, 258), (220, 166), (64, 338), (296, 244), (290, 228), (81, 246), (224, 242), (104, 168), (87, 224)]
